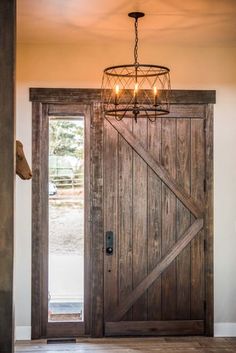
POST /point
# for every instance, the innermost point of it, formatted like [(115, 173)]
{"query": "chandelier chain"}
[(136, 42)]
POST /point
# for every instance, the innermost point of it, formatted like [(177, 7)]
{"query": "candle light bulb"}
[(155, 95), (135, 90), (117, 89)]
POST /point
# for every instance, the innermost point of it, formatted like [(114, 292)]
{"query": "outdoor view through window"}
[(66, 219)]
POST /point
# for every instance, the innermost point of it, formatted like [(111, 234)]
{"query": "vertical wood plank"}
[(97, 281), (7, 171), (36, 298), (183, 270), (197, 245), (44, 217), (140, 219), (168, 219), (209, 231), (87, 218), (125, 218), (184, 101), (154, 220), (110, 216)]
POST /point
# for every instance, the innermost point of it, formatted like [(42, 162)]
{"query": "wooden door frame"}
[(40, 118), (41, 98), (7, 171)]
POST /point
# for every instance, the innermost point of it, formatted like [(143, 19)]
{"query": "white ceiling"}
[(187, 22)]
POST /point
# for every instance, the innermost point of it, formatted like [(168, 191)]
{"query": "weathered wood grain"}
[(125, 206), (188, 111), (158, 270), (97, 229), (168, 159), (154, 220), (110, 155), (44, 218), (87, 218), (70, 329), (36, 244), (7, 171), (37, 223), (155, 328), (183, 218), (165, 176), (140, 220), (61, 110), (209, 227), (88, 95), (197, 245)]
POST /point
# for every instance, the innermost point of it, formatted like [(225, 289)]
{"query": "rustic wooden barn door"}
[(154, 211)]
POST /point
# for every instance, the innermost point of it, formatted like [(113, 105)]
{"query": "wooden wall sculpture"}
[(22, 166)]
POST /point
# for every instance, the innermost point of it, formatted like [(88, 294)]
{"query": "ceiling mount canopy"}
[(136, 15), (136, 90)]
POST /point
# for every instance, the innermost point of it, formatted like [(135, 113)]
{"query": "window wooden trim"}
[(40, 117)]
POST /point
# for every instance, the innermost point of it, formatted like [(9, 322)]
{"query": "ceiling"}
[(189, 22)]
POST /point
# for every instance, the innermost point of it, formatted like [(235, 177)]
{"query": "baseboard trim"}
[(225, 329), (23, 333)]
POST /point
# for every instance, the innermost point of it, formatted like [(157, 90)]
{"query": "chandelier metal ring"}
[(115, 112), (157, 70)]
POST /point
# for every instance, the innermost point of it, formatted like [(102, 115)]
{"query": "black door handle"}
[(109, 242)]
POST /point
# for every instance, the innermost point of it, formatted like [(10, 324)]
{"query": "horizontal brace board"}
[(154, 328), (62, 109), (190, 111), (70, 329), (87, 95), (131, 298)]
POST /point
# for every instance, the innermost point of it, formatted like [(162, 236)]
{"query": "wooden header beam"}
[(89, 95)]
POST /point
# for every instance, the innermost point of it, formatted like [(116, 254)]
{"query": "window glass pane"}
[(66, 219)]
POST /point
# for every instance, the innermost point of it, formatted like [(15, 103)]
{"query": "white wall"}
[(192, 68)]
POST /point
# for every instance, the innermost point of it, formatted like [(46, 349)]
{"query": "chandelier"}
[(136, 90)]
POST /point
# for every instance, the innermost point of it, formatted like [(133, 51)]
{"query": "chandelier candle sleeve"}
[(136, 90)]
